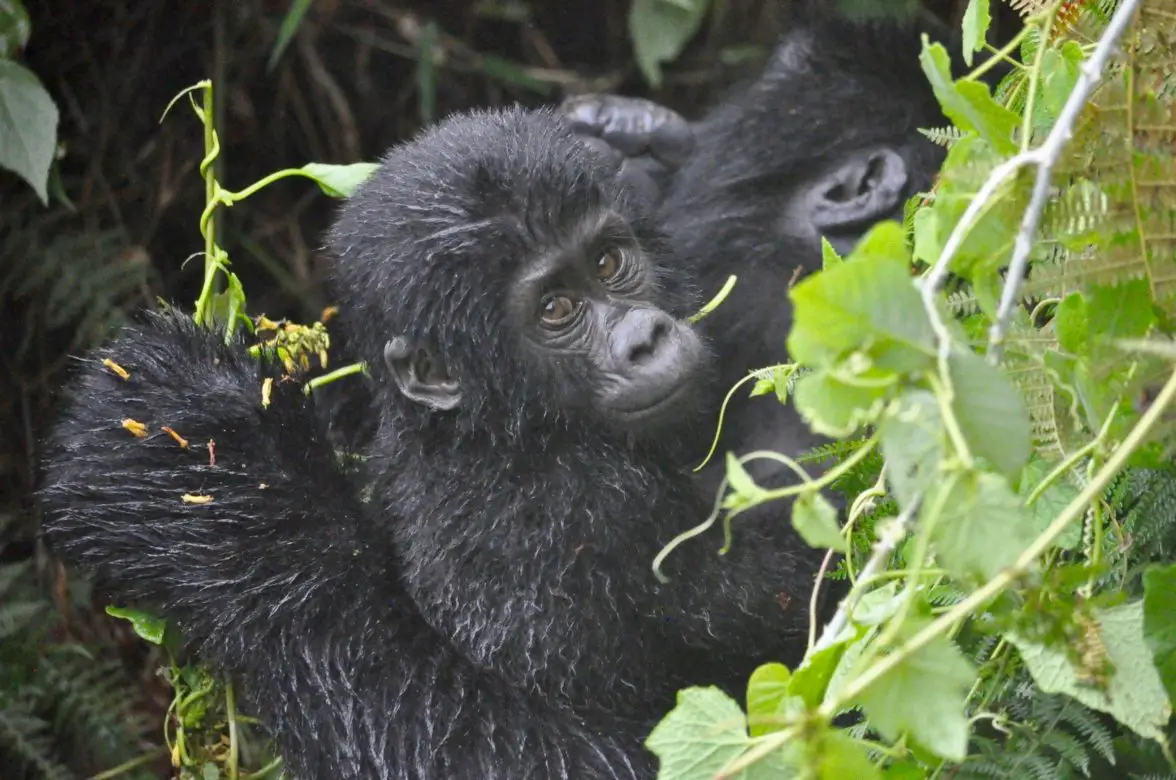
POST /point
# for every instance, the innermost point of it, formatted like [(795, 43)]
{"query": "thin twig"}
[(1045, 157), (890, 537)]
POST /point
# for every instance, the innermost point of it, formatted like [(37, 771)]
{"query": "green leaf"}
[(869, 302), (923, 696), (912, 445), (829, 256), (813, 675), (904, 770), (14, 28), (1050, 503), (660, 30), (1159, 622), (1059, 74), (928, 242), (976, 20), (147, 626), (1071, 326), (28, 126), (834, 406), (228, 307), (774, 380), (701, 735), (990, 411), (1133, 694), (743, 489), (815, 519), (339, 181), (979, 525), (766, 691), (968, 104), (290, 24), (841, 758), (1120, 311)]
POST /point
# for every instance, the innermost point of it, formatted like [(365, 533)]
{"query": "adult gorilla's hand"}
[(652, 141)]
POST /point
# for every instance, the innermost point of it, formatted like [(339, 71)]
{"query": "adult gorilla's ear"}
[(867, 186), (420, 376)]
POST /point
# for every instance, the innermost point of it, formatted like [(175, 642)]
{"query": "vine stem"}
[(888, 540), (1046, 157)]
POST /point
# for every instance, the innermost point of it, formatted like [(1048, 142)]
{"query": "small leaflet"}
[(267, 389), (180, 440), (189, 498), (116, 368), (135, 427)]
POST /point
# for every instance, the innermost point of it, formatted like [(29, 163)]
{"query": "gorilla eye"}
[(608, 265), (558, 310)]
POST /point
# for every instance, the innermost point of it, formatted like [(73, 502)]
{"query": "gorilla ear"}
[(867, 186), (420, 377)]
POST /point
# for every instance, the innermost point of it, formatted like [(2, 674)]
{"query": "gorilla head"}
[(511, 285)]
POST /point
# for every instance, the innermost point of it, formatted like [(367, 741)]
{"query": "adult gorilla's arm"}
[(280, 580)]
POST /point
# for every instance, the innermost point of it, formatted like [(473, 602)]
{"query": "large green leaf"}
[(660, 30), (1133, 692), (28, 126)]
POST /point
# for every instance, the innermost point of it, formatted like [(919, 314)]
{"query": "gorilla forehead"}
[(448, 217), (511, 175)]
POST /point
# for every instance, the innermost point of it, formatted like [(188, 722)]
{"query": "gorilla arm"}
[(279, 580)]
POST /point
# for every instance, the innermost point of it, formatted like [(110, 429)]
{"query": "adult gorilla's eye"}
[(558, 310), (609, 265)]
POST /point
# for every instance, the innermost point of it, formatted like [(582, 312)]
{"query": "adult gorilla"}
[(824, 143), (490, 612)]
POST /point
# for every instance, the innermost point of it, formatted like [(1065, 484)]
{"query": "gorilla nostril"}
[(645, 348)]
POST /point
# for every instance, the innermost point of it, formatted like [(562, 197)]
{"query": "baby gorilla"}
[(490, 611)]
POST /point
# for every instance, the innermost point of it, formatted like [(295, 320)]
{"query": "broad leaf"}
[(868, 303), (815, 519), (1133, 693), (1159, 622), (833, 406), (990, 411), (912, 444), (701, 735), (841, 758), (924, 697), (766, 691), (660, 29), (979, 527), (977, 17), (339, 181), (28, 126), (968, 104)]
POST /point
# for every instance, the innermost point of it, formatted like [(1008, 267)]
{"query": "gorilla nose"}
[(640, 336)]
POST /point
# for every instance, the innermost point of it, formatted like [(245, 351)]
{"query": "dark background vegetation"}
[(350, 85)]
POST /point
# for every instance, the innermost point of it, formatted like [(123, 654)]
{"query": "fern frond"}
[(943, 136), (26, 744)]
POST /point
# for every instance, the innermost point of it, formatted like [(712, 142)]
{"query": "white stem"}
[(1046, 156)]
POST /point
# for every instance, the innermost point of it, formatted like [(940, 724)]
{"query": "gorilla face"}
[(535, 292)]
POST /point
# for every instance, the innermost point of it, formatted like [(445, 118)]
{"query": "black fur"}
[(490, 612)]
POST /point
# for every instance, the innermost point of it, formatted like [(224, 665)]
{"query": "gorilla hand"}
[(650, 141)]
